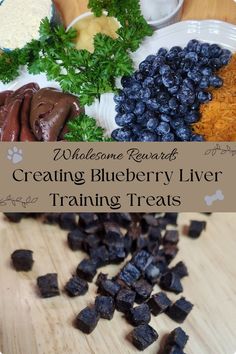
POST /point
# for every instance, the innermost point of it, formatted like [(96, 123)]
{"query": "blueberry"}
[(124, 119), (173, 90), (163, 128), (122, 134), (135, 87), (145, 93), (189, 84), (148, 136), (152, 124), (163, 97), (204, 62), (205, 50), (206, 71), (153, 104), (168, 137), (195, 105), (204, 97), (139, 109), (176, 49), (224, 59), (120, 97), (216, 63), (215, 51), (192, 117), (129, 106), (158, 80), (182, 53), (177, 123), (192, 56), (186, 65), (195, 75), (196, 137), (135, 129), (186, 97), (165, 118), (165, 108), (226, 52), (165, 69), (150, 58), (192, 45), (168, 80), (216, 81), (173, 103), (149, 82), (184, 133), (144, 118), (127, 81), (139, 76), (183, 109), (162, 52), (159, 60), (204, 83), (119, 120), (144, 66), (171, 56)]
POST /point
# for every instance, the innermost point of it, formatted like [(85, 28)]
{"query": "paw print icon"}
[(15, 155)]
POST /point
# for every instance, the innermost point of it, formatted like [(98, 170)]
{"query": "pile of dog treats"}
[(150, 242)]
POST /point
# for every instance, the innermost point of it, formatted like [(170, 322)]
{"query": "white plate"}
[(179, 33)]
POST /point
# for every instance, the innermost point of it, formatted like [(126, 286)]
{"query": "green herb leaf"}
[(85, 128)]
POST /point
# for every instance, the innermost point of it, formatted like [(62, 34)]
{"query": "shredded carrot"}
[(218, 118)]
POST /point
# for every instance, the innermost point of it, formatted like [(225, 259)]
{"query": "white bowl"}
[(173, 17)]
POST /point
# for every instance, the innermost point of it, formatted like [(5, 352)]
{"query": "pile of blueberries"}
[(161, 100)]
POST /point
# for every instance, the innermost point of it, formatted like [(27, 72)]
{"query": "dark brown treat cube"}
[(177, 337), (67, 221), (180, 269), (93, 227), (76, 286), (116, 252), (196, 228), (171, 218), (87, 269), (141, 259), (22, 260), (143, 336), (109, 287), (152, 273), (129, 274), (105, 306), (48, 285), (179, 310), (170, 252), (76, 239), (101, 277), (154, 234), (15, 217), (125, 300), (87, 319), (159, 303), (123, 219), (91, 242), (170, 281), (143, 290), (172, 349), (139, 315), (171, 236), (86, 218), (100, 255)]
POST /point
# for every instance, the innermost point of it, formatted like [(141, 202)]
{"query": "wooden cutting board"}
[(31, 325)]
